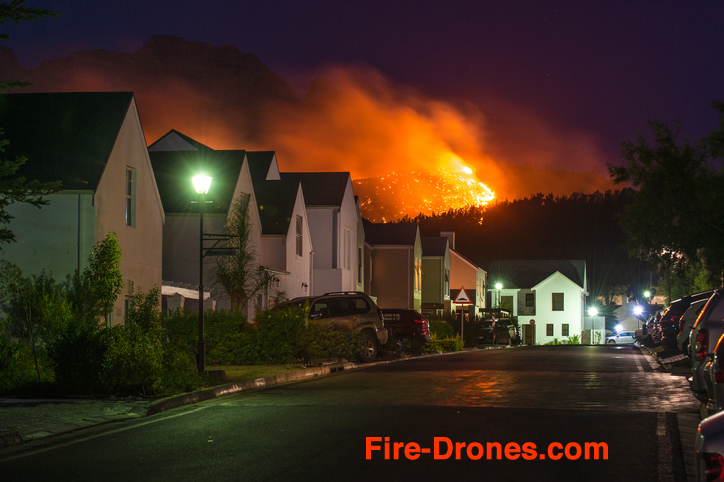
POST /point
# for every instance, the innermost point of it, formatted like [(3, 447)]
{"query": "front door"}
[(529, 334)]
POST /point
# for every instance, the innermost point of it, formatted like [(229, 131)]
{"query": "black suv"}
[(670, 322), (352, 309)]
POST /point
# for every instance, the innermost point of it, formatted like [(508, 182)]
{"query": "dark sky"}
[(584, 69)]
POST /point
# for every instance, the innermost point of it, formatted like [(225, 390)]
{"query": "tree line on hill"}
[(540, 227)]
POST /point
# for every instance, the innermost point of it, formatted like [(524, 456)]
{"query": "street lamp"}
[(202, 183), (498, 287), (592, 311)]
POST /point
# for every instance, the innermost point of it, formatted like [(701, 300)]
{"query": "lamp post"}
[(201, 185), (498, 287)]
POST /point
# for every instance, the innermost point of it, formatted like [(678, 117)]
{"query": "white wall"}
[(572, 313)]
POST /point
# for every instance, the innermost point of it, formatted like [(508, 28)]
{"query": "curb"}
[(229, 388)]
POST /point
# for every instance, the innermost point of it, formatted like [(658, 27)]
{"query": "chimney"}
[(450, 235)]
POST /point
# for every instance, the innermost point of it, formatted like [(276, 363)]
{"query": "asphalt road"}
[(324, 429)]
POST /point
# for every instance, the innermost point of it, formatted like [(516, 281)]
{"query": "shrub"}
[(133, 360), (77, 354), (328, 342), (179, 373), (278, 335), (574, 340), (444, 344), (441, 328)]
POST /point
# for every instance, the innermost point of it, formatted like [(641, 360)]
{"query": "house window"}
[(131, 197), (549, 329), (557, 302), (300, 244), (529, 300), (506, 303), (447, 281), (564, 329)]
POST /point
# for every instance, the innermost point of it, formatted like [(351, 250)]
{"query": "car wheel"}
[(404, 343), (611, 341), (369, 347)]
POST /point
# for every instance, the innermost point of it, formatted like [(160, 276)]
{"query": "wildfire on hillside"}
[(393, 196)]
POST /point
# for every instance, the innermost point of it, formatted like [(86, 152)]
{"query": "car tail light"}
[(702, 343), (420, 320), (714, 465)]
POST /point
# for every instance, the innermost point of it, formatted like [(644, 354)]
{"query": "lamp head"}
[(202, 183)]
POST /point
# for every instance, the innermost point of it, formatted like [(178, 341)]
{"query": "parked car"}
[(671, 318), (623, 338), (352, 309), (709, 447), (406, 325), (708, 329), (714, 379), (687, 322), (499, 331)]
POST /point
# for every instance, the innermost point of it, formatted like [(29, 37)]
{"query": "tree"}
[(18, 189), (93, 292), (676, 212), (240, 276)]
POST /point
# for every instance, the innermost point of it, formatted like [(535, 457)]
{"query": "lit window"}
[(131, 197), (557, 302)]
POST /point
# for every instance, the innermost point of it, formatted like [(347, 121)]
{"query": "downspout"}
[(80, 214)]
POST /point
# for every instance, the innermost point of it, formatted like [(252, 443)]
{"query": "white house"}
[(435, 275), (333, 219), (94, 144), (548, 297)]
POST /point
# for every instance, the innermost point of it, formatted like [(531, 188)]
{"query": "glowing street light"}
[(593, 311), (638, 310), (202, 183), (498, 287)]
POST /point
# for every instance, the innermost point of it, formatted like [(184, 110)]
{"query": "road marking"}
[(91, 437), (665, 472), (638, 364)]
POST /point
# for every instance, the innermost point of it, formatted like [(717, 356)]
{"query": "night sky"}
[(541, 72)]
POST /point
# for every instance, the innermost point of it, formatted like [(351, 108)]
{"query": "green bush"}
[(179, 373), (444, 344), (328, 342), (78, 353), (133, 359), (279, 335), (441, 328)]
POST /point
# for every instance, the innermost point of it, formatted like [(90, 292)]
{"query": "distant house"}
[(435, 275), (92, 142), (273, 204), (464, 274), (548, 297), (393, 272), (333, 224)]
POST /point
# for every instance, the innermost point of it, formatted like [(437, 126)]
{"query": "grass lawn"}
[(237, 373)]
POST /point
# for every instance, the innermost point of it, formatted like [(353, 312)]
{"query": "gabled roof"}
[(173, 140), (321, 188), (523, 274), (261, 165), (434, 246), (465, 260), (403, 234), (276, 200), (65, 136), (174, 169)]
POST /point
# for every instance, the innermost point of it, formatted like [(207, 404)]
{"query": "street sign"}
[(462, 298), (532, 322), (221, 252)]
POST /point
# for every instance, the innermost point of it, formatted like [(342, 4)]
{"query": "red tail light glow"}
[(714, 466), (702, 344)]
